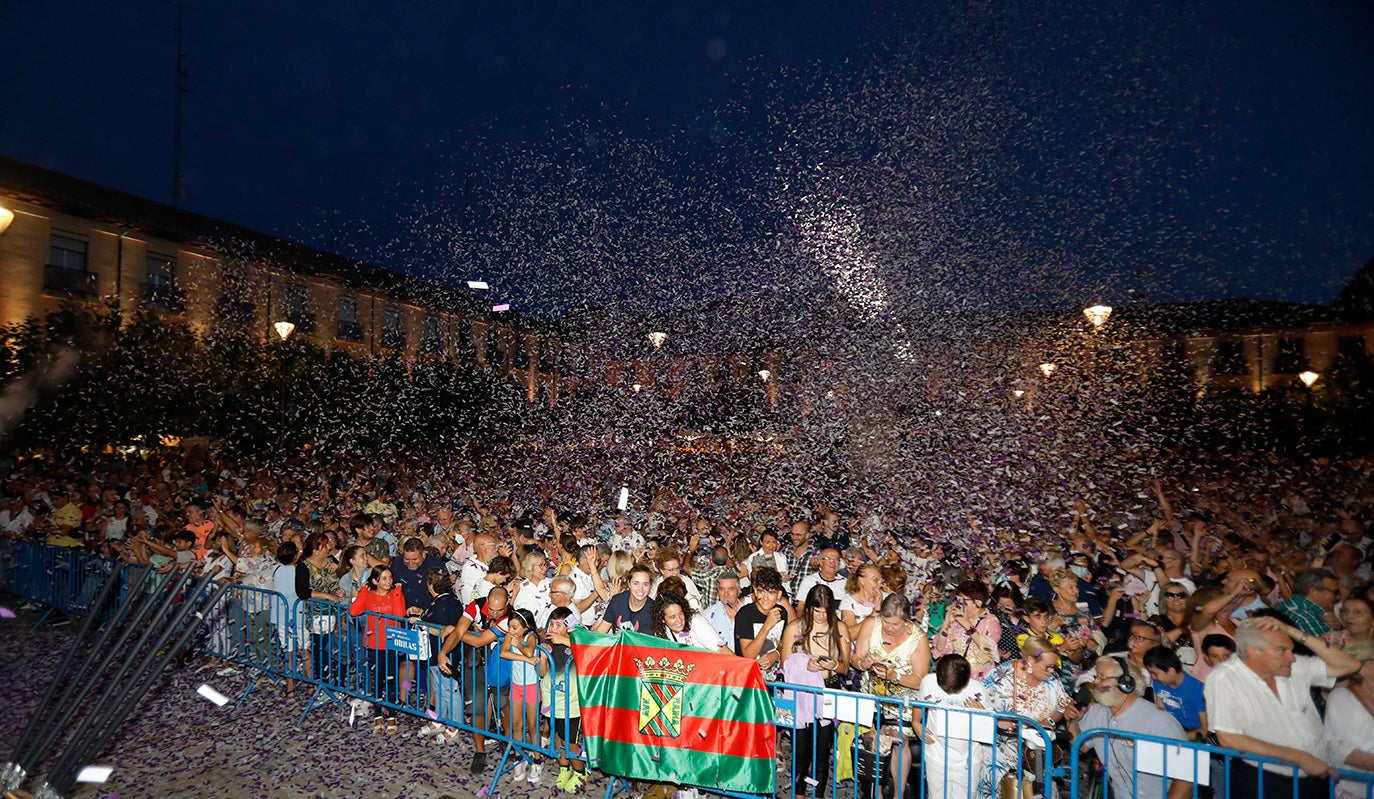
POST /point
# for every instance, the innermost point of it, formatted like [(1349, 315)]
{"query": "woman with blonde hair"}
[(530, 588), (618, 570), (864, 593)]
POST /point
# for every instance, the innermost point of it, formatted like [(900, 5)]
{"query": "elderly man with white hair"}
[(1119, 705), (1260, 702)]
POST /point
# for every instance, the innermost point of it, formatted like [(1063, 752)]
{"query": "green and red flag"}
[(658, 710)]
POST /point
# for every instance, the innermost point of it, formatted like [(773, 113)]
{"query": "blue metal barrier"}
[(843, 744), (1143, 767), (918, 749)]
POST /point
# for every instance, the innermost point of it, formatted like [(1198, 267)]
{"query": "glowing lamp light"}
[(637, 387), (1018, 393), (1048, 368), (1308, 378), (1098, 314), (657, 338), (284, 329), (764, 375), (6, 217)]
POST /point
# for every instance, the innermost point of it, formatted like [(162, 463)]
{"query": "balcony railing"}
[(165, 297), (349, 331), (79, 283)]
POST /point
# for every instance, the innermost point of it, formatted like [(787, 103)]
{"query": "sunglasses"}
[(1172, 595)]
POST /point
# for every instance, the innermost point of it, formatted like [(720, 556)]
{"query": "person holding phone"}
[(816, 645)]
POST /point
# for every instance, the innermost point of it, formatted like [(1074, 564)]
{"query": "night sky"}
[(1166, 151)]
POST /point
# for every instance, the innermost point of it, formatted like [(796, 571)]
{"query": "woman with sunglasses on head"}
[(1175, 617)]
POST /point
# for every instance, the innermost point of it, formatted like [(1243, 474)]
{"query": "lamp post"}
[(1098, 315), (657, 338), (1048, 368), (284, 330), (1308, 378)]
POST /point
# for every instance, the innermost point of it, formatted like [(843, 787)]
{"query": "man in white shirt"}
[(828, 574), (475, 568), (722, 613), (561, 590), (15, 519), (1260, 702)]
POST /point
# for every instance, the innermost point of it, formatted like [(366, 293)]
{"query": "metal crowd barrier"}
[(1142, 766), (919, 749), (833, 743), (60, 581)]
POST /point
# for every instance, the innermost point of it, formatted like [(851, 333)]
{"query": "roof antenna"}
[(178, 178)]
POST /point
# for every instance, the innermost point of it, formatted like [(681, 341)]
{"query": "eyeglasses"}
[(1172, 595), (1135, 637), (1328, 589)]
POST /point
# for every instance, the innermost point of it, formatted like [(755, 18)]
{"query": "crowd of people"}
[(1210, 612)]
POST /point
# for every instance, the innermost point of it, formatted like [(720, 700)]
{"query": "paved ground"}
[(181, 745)]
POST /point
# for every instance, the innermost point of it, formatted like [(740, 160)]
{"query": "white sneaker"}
[(536, 773), (518, 773)]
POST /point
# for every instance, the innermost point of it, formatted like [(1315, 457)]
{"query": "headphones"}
[(1125, 681)]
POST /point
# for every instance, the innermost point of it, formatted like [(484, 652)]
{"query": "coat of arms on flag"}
[(660, 711), (660, 694)]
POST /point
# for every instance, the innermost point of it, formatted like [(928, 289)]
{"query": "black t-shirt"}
[(619, 615), (748, 622), (444, 611)]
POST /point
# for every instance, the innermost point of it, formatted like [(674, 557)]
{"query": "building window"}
[(160, 289), (296, 302), (496, 354), (68, 250), (1289, 358), (65, 272), (1230, 359), (1351, 349), (463, 349), (519, 351), (548, 356), (349, 329), (431, 342), (393, 334)]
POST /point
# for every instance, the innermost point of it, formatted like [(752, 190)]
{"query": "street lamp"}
[(1048, 368), (284, 330), (657, 338), (764, 375), (637, 387), (6, 217), (1098, 314), (1308, 378)]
